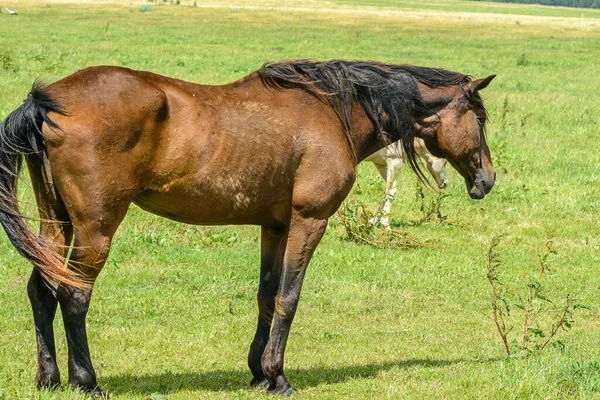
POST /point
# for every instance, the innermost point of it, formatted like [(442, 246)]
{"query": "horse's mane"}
[(388, 93)]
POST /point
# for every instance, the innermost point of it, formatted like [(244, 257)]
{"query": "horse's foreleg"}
[(389, 173), (379, 212), (271, 259), (436, 166), (391, 187), (304, 235), (437, 169)]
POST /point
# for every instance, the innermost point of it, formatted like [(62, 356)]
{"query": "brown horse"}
[(278, 148)]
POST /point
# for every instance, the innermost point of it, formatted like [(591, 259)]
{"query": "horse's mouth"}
[(475, 189), (478, 188)]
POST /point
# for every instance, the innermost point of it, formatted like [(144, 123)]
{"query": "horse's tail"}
[(21, 135)]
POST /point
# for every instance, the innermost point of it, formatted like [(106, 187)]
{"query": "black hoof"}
[(260, 383), (49, 384), (97, 393), (284, 389), (93, 391), (47, 376)]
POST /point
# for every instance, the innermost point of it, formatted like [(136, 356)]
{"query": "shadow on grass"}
[(234, 380)]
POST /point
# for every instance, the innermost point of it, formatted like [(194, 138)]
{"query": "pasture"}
[(174, 310)]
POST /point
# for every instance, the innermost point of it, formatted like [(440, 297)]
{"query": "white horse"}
[(388, 162)]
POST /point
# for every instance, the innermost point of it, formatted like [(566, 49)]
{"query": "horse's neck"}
[(363, 134), (437, 98), (366, 139)]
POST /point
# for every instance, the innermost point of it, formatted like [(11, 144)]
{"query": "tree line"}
[(564, 3)]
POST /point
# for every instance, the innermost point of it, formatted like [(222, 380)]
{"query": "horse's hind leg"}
[(90, 251), (43, 299), (96, 203), (93, 232), (43, 304), (271, 259)]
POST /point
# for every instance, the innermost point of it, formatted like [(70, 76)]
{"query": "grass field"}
[(174, 309)]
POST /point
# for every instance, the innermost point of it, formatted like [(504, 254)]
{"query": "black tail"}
[(20, 135)]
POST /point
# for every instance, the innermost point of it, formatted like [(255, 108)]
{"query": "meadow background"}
[(174, 310)]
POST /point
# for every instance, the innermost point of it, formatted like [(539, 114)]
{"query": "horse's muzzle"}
[(481, 185)]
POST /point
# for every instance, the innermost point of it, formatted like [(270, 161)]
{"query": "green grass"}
[(174, 310)]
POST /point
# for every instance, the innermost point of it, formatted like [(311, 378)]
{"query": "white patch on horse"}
[(388, 162), (242, 201), (231, 187), (254, 106)]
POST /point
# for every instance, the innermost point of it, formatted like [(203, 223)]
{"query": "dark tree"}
[(563, 3)]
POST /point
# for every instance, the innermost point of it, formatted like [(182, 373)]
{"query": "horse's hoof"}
[(97, 393), (284, 389), (47, 378), (47, 383), (260, 383)]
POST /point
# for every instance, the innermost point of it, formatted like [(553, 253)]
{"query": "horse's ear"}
[(480, 84)]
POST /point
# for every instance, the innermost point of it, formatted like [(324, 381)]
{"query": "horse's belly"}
[(210, 204)]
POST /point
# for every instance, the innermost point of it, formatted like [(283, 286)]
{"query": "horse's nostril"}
[(488, 184)]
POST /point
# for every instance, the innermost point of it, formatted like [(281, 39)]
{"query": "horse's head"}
[(456, 132)]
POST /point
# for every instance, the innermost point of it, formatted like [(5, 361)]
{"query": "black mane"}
[(388, 93)]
